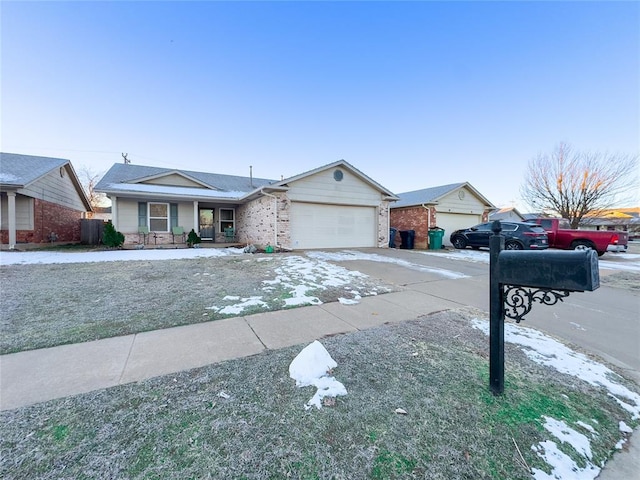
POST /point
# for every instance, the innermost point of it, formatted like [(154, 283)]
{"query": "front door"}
[(207, 231)]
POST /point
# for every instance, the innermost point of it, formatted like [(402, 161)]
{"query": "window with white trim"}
[(158, 217)]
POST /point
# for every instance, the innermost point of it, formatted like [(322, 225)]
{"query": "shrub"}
[(192, 238), (111, 237)]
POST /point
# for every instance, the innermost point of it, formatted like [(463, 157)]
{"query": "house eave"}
[(170, 197)]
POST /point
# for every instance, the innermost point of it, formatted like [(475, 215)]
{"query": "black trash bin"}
[(392, 237), (408, 239)]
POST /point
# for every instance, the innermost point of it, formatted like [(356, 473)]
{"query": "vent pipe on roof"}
[(251, 175)]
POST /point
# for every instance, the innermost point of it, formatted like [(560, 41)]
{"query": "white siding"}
[(24, 213), (56, 188), (323, 188), (127, 211), (469, 203), (173, 180)]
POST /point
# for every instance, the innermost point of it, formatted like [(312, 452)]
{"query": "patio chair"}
[(143, 231), (230, 235), (178, 232)]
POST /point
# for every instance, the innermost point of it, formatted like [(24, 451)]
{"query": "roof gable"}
[(175, 178), (506, 213), (18, 171), (343, 164), (434, 194)]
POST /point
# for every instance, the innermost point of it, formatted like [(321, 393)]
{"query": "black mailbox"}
[(517, 279), (575, 271)]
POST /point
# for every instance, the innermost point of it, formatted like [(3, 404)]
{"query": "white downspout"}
[(275, 215)]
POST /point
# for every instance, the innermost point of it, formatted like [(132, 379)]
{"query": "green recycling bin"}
[(435, 238)]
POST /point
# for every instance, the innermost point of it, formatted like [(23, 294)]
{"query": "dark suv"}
[(518, 236)]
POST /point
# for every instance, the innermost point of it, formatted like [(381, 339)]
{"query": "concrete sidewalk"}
[(39, 375)]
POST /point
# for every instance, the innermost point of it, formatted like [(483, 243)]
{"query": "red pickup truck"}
[(562, 236)]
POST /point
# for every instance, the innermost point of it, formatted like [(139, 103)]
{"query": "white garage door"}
[(332, 226), (455, 221)]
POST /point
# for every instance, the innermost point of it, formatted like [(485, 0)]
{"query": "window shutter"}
[(174, 215), (142, 214)]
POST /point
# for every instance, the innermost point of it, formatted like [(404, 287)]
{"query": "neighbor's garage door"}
[(332, 226), (455, 221)]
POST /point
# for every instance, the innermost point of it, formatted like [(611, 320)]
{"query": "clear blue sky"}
[(414, 94)]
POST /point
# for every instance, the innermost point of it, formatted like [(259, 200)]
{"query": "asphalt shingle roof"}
[(20, 170), (121, 173), (426, 195)]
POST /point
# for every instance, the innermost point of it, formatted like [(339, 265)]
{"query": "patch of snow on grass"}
[(348, 255), (238, 308), (349, 301), (587, 427), (624, 428), (566, 434), (545, 350), (311, 367), (300, 276), (46, 257), (563, 466)]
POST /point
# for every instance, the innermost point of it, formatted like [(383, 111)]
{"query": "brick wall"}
[(383, 224), (49, 218), (414, 218), (154, 238), (257, 221)]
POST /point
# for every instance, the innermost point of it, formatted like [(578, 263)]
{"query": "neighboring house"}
[(625, 219), (101, 213), (507, 214), (41, 200), (450, 207), (333, 206), (534, 215)]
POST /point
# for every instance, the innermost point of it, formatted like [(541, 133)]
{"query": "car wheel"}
[(513, 245), (582, 245), (459, 242)]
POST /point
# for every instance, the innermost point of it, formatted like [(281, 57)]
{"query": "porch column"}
[(114, 212), (196, 217), (12, 219)]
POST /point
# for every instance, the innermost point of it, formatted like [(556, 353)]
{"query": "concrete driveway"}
[(605, 322)]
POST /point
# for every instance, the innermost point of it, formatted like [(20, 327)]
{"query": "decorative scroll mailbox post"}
[(517, 279)]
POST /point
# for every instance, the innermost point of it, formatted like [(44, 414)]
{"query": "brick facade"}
[(383, 224), (414, 218), (256, 220), (49, 218)]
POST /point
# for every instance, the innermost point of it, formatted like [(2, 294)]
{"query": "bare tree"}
[(573, 184), (89, 180)]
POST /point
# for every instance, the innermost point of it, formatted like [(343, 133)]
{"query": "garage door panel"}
[(456, 221), (332, 226)]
